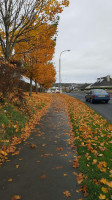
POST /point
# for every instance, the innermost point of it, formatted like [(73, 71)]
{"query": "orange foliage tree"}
[(26, 24), (37, 50), (18, 17), (46, 75)]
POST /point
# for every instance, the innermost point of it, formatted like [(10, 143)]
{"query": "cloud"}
[(86, 28)]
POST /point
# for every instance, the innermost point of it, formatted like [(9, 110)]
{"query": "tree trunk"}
[(36, 89), (30, 92), (40, 88)]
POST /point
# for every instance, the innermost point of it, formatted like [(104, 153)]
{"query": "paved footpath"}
[(43, 172)]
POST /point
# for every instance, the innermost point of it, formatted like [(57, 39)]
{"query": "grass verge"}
[(17, 120), (93, 138)]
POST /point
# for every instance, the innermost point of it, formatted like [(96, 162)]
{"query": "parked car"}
[(97, 95)]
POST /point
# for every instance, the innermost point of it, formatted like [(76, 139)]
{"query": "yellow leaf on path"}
[(3, 153), (43, 145), (43, 176), (75, 173), (60, 149), (102, 196), (67, 193), (46, 155), (16, 197), (32, 146), (65, 175), (17, 166), (59, 167), (80, 178), (84, 189), (5, 141), (10, 179), (21, 159), (76, 163), (78, 191), (15, 153)]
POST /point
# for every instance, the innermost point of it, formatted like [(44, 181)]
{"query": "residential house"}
[(102, 82)]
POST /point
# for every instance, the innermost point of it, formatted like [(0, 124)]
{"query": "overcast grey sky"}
[(85, 28)]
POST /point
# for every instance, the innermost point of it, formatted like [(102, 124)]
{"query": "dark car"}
[(97, 95)]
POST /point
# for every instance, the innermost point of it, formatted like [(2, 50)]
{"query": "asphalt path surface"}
[(45, 172), (102, 108)]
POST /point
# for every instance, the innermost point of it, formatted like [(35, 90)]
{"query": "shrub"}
[(9, 78)]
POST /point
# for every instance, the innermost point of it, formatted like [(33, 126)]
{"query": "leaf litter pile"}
[(16, 122), (93, 138)]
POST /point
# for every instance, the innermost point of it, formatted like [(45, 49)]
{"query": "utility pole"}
[(60, 69)]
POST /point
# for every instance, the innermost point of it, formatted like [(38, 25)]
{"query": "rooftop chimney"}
[(108, 78)]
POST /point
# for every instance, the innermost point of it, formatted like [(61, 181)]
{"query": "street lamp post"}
[(60, 70)]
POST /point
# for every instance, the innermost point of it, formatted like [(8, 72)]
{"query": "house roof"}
[(103, 81)]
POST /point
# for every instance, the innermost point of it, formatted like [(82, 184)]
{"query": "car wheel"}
[(106, 101)]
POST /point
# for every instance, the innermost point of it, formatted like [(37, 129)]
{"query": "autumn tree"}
[(46, 75), (38, 50), (18, 17)]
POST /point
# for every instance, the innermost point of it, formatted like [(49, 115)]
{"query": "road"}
[(102, 108)]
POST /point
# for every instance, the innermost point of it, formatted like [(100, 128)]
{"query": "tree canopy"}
[(20, 16)]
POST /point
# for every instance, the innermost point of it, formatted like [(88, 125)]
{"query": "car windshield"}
[(99, 91)]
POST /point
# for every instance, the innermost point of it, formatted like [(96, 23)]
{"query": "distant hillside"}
[(73, 85)]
